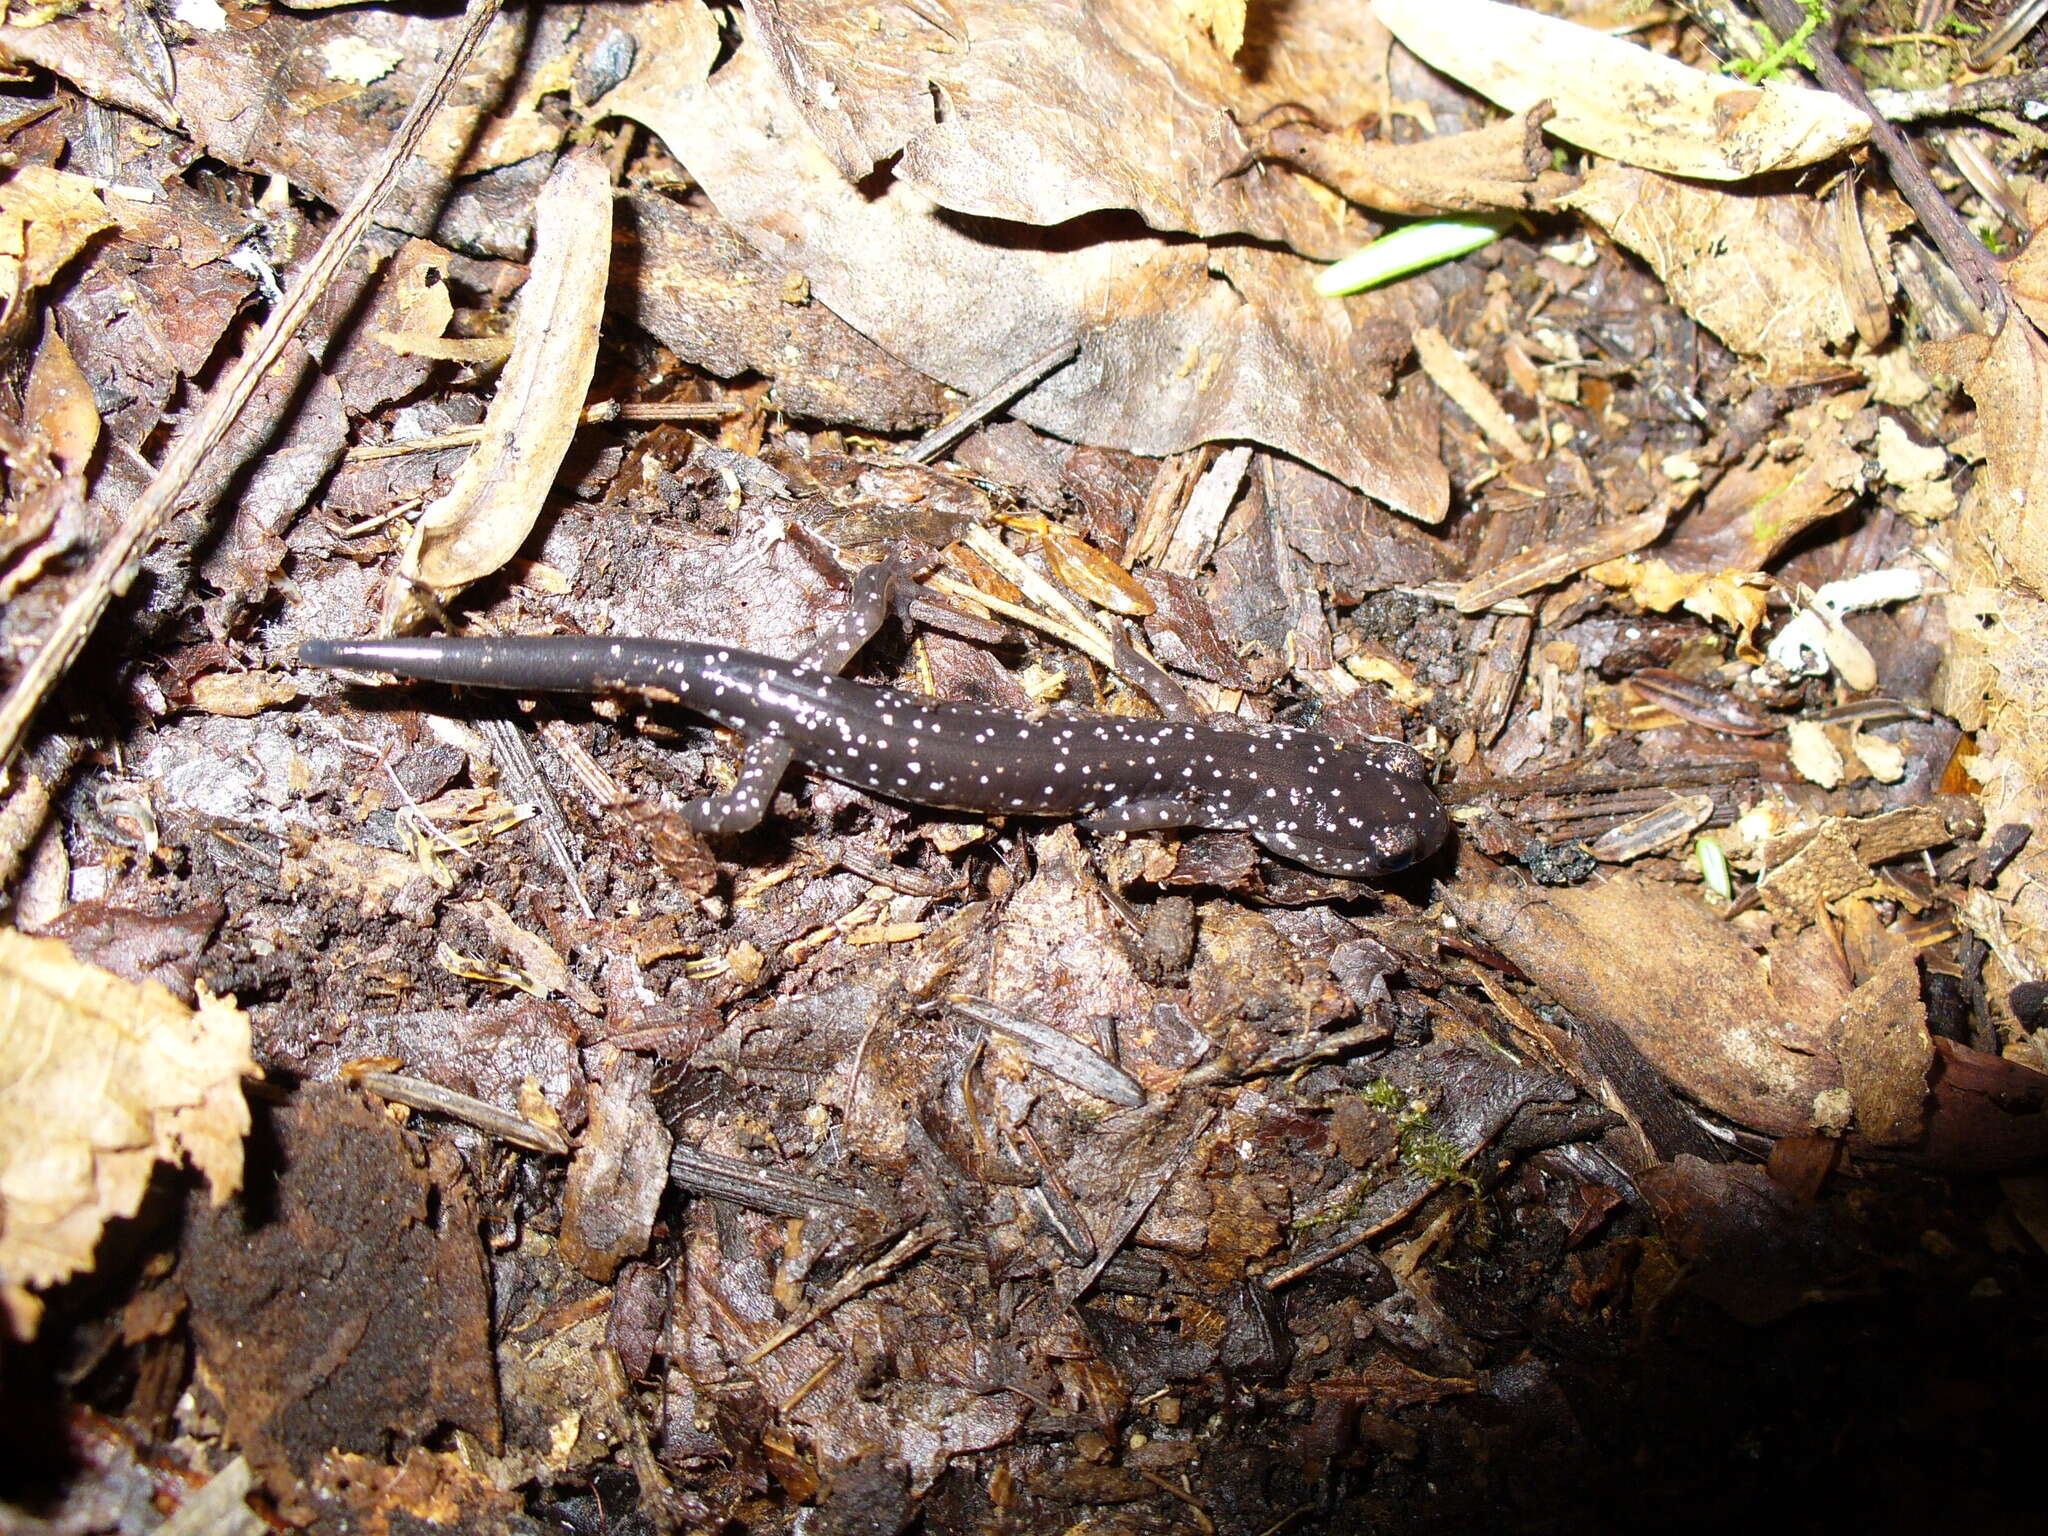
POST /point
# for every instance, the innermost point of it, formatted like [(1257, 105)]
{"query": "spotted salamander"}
[(1344, 810)]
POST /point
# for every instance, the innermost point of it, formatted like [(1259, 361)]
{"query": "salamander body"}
[(1344, 810)]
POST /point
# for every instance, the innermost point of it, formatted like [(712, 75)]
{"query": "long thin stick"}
[(153, 508)]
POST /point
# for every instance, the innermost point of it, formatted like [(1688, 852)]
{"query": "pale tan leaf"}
[(497, 496), (1620, 100), (101, 1079), (46, 216), (1760, 270), (1179, 343), (242, 695), (1815, 755)]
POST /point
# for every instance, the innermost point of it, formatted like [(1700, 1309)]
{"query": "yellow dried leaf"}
[(242, 695), (479, 525), (1093, 575), (49, 215), (101, 1079), (1740, 599)]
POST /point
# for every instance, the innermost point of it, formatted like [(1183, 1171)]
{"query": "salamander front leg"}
[(1150, 815), (741, 808), (1387, 849)]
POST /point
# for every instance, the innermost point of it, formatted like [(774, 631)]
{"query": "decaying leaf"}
[(1808, 472), (1622, 101), (59, 403), (1760, 1041), (46, 217), (486, 515), (1024, 112), (1179, 343), (1762, 271), (100, 1080), (1886, 1053), (1505, 165), (242, 694)]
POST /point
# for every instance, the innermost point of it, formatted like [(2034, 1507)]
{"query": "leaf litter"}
[(924, 1167)]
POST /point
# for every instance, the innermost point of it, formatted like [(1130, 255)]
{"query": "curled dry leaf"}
[(1763, 271), (100, 1079), (1764, 1041), (46, 217), (1621, 100), (1740, 599), (1023, 109), (1505, 165), (1179, 343), (479, 525)]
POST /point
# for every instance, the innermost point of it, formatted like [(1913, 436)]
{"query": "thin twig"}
[(104, 578), (906, 1248), (432, 1098), (942, 437), (1973, 264)]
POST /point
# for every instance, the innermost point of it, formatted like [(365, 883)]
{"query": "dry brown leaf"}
[(1760, 270), (472, 531), (46, 217), (540, 959), (1806, 473), (376, 877), (1180, 344), (707, 295), (1622, 101), (1090, 573), (1754, 1039), (1024, 111), (267, 97), (1698, 1002), (1886, 1053), (59, 405), (620, 1169), (1995, 679), (2026, 279), (242, 695), (101, 1079), (415, 298), (1505, 165)]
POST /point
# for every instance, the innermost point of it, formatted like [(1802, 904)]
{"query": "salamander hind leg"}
[(741, 808)]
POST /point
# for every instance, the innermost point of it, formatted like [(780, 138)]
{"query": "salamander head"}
[(1378, 823)]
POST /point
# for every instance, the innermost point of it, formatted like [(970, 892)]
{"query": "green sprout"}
[(1424, 1150), (1790, 51), (1408, 250)]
